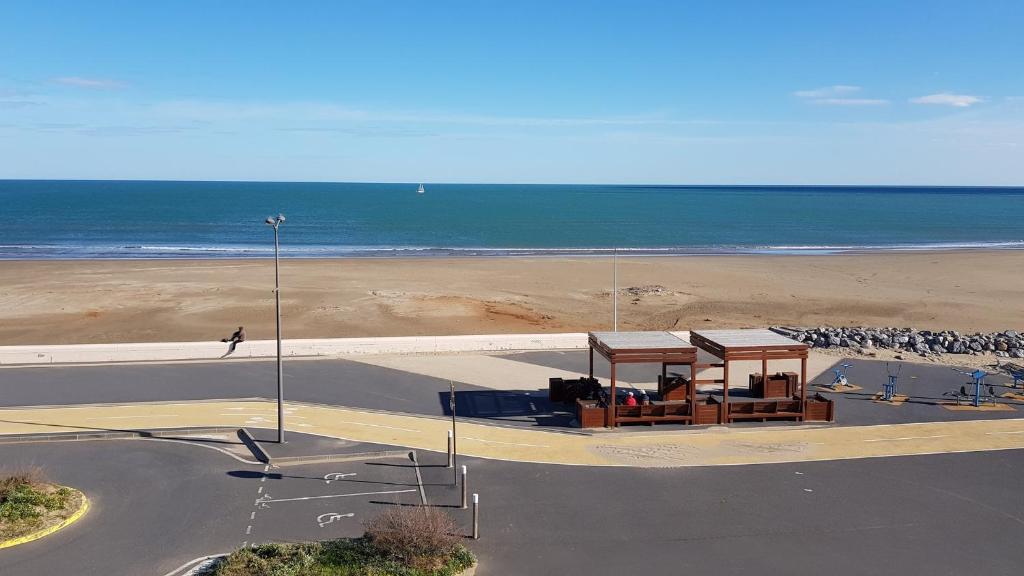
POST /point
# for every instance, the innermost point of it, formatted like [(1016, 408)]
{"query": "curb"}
[(342, 457), (125, 435), (47, 531), (250, 442)]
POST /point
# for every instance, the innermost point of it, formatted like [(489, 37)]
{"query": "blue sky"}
[(927, 92)]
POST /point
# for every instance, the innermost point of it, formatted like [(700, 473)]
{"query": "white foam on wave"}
[(57, 251)]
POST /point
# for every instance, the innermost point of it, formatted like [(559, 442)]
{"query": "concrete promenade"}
[(436, 356), (704, 447), (325, 347)]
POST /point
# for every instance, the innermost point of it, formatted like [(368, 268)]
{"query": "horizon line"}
[(484, 183)]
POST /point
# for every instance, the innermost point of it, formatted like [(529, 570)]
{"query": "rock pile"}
[(1008, 344), (646, 290)]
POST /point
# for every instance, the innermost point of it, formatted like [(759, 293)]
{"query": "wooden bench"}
[(654, 413), (765, 410)]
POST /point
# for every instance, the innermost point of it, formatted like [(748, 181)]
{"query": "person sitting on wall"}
[(236, 338), (645, 400), (630, 399)]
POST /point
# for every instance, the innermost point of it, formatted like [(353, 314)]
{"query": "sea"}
[(61, 219)]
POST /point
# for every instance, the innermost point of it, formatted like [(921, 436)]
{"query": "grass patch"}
[(28, 502), (414, 541)]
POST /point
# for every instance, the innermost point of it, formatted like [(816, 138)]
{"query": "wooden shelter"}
[(638, 348), (752, 344)]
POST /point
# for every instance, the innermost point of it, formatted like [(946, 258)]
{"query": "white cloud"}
[(827, 91), (947, 99), (91, 83), (838, 95), (851, 101)]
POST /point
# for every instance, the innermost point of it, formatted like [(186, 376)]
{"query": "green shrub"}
[(419, 536), (355, 557), (404, 541)]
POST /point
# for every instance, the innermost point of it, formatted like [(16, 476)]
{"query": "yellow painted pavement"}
[(635, 447)]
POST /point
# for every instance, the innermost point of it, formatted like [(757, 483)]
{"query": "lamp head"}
[(270, 220)]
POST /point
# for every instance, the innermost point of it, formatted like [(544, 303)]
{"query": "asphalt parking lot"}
[(942, 514), (328, 500), (156, 504), (159, 504)]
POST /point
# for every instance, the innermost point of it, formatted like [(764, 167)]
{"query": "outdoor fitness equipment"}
[(979, 380), (889, 388), (840, 377), (1015, 371)]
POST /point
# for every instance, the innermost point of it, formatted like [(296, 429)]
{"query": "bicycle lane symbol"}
[(325, 519)]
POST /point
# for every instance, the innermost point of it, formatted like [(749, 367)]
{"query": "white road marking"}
[(1006, 432), (260, 491), (252, 516), (181, 569), (505, 443), (906, 438), (337, 476), (136, 416), (217, 448), (248, 529), (325, 519), (377, 426), (267, 499)]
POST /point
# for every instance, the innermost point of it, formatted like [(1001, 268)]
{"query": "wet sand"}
[(50, 302)]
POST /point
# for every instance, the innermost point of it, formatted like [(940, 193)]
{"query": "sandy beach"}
[(92, 301)]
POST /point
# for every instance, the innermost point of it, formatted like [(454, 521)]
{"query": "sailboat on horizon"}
[(420, 190)]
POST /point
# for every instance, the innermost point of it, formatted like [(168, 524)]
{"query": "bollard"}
[(476, 516), (465, 490), (451, 452)]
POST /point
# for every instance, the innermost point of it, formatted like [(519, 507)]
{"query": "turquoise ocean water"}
[(140, 219)]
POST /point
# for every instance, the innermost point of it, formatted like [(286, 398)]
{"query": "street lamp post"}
[(276, 222), (615, 289)]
